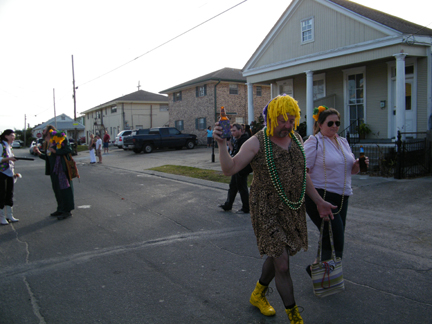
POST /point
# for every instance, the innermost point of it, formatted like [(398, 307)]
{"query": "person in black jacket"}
[(55, 166), (239, 180)]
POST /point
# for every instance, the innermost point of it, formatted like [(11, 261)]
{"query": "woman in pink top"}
[(330, 163)]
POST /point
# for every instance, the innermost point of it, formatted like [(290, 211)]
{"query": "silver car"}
[(119, 138)]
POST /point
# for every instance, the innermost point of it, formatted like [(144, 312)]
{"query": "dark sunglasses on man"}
[(330, 123)]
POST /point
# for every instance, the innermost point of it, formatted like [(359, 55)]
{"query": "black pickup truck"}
[(149, 139)]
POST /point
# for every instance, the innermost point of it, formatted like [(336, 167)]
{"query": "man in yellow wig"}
[(277, 209)]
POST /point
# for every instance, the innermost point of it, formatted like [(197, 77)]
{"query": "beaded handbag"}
[(327, 276)]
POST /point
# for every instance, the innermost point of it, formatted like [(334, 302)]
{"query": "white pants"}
[(92, 156)]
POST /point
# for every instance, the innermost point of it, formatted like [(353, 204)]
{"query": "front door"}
[(410, 124)]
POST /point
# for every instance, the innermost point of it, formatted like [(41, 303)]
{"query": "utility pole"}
[(25, 129), (74, 99), (55, 116)]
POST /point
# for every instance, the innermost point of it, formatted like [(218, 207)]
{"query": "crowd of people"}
[(290, 179)]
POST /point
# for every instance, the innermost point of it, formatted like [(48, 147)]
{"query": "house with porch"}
[(195, 104), (372, 67), (139, 109), (64, 123)]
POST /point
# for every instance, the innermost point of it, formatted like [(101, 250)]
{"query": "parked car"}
[(161, 137), (38, 142), (119, 138), (127, 140), (16, 144)]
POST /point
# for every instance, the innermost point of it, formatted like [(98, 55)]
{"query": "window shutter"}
[(205, 122), (205, 89), (196, 123), (197, 92), (174, 96)]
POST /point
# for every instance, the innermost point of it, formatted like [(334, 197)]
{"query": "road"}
[(147, 247)]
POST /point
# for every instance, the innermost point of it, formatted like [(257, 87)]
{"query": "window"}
[(258, 91), (233, 89), (88, 116), (177, 96), (286, 87), (98, 114), (200, 123), (163, 108), (319, 86), (63, 118), (173, 131), (201, 91), (113, 109), (179, 125), (307, 30)]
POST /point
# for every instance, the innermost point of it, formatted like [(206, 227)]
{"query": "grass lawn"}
[(192, 172)]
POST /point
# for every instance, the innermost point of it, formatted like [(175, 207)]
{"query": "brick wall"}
[(191, 107)]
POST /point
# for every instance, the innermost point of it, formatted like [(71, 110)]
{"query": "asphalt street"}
[(148, 247)]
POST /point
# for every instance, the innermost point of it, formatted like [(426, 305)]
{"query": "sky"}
[(116, 44)]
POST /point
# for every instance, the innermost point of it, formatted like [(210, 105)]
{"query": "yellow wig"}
[(281, 105)]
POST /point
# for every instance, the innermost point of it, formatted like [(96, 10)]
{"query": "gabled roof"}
[(67, 124), (396, 23), (137, 96), (225, 74)]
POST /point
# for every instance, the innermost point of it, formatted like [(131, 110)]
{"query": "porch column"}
[(400, 92), (429, 87), (250, 103), (309, 102)]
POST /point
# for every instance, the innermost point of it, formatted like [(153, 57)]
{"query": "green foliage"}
[(364, 129)]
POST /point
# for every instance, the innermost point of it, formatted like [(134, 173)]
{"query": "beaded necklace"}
[(325, 173), (274, 174)]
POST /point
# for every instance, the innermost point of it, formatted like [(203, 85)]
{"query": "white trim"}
[(362, 19), (302, 42), (409, 61), (351, 49)]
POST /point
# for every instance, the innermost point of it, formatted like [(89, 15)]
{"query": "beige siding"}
[(376, 90), (332, 30)]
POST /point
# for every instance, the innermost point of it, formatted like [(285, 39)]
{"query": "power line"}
[(155, 48)]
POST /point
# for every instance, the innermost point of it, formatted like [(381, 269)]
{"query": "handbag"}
[(327, 276), (72, 170)]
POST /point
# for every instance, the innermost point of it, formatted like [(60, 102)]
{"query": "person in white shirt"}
[(330, 164), (7, 175), (99, 148)]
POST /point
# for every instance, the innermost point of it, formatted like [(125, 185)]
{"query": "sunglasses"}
[(330, 123)]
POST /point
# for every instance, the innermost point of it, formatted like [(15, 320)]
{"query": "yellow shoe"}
[(294, 315), (259, 300)]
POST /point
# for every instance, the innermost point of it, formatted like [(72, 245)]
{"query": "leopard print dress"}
[(274, 223)]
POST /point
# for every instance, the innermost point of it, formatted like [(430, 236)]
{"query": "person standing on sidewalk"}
[(7, 174), (106, 140), (92, 146), (276, 198), (99, 148), (239, 180), (209, 136)]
